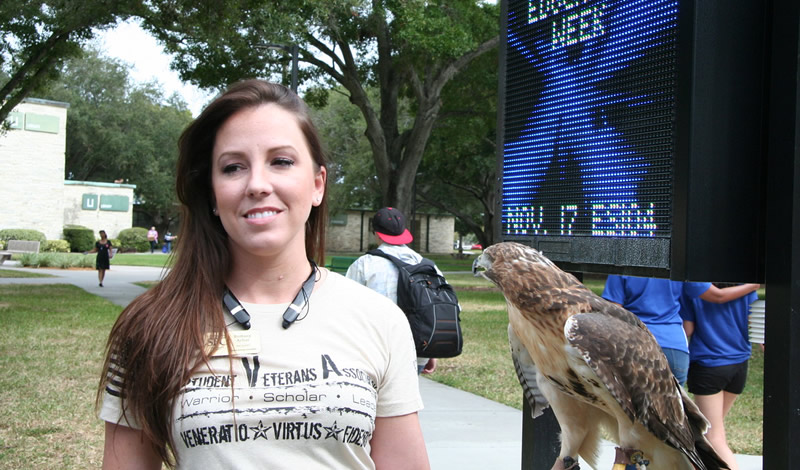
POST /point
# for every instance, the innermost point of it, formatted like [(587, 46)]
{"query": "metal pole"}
[(295, 54), (540, 442), (294, 50), (782, 356)]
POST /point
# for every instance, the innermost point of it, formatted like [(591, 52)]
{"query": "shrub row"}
[(56, 260), (7, 234), (133, 239), (78, 239), (54, 246)]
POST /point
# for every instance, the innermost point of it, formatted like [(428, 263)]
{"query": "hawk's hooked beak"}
[(477, 266)]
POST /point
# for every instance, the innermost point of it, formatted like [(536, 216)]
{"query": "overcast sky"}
[(131, 44)]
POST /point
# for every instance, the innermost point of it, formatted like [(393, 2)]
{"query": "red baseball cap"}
[(390, 226)]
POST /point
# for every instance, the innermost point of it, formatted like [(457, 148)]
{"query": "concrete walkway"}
[(462, 431)]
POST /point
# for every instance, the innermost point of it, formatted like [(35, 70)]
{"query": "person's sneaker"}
[(101, 284)]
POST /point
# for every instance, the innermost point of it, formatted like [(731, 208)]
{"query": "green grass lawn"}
[(11, 273), (156, 260), (51, 342)]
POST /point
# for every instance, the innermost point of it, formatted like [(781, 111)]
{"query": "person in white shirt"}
[(380, 274), (303, 368)]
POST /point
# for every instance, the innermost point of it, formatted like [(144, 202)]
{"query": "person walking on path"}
[(104, 252), (247, 354), (719, 350), (152, 237), (380, 274)]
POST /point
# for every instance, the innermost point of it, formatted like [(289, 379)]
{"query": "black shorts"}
[(712, 380)]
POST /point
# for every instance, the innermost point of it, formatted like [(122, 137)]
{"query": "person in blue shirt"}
[(657, 303), (719, 350)]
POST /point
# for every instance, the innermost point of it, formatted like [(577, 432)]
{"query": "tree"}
[(119, 131), (458, 172), (407, 49), (38, 36), (352, 180)]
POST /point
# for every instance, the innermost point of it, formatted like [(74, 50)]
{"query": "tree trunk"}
[(397, 156)]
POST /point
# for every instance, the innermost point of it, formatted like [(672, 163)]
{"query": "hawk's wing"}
[(527, 374), (629, 362)]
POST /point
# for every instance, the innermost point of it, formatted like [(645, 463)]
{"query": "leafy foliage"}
[(352, 180), (458, 170), (134, 239), (79, 238), (22, 234), (54, 246), (39, 36), (406, 50), (119, 131)]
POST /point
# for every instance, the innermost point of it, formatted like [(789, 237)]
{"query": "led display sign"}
[(599, 110), (589, 142)]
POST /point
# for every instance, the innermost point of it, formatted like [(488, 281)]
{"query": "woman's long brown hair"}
[(158, 340)]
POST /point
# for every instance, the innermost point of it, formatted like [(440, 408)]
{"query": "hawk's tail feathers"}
[(708, 456), (704, 456), (527, 374)]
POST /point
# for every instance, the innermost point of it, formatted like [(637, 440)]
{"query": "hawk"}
[(596, 364)]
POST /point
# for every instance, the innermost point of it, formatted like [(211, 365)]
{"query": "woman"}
[(102, 261), (317, 381), (720, 350), (152, 237)]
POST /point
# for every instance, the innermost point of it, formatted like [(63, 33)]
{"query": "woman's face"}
[(264, 182)]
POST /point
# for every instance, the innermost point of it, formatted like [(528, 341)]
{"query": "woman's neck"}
[(268, 283)]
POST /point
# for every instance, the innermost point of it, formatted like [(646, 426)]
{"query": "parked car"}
[(477, 246)]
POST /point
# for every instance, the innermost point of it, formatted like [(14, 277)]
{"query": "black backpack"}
[(431, 306)]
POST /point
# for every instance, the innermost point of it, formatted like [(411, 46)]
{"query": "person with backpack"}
[(429, 302)]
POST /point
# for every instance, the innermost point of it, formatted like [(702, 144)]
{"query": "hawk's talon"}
[(639, 461), (571, 464), (567, 463)]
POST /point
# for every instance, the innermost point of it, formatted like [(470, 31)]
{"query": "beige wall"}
[(33, 193), (110, 221), (435, 233), (352, 233), (349, 232), (31, 185)]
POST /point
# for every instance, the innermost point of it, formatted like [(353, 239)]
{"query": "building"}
[(351, 232), (33, 191)]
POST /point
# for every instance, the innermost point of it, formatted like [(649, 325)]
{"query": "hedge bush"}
[(133, 239), (7, 234), (80, 238), (54, 246)]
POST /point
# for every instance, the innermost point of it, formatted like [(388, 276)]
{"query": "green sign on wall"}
[(15, 120), (41, 123), (89, 202), (109, 202)]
